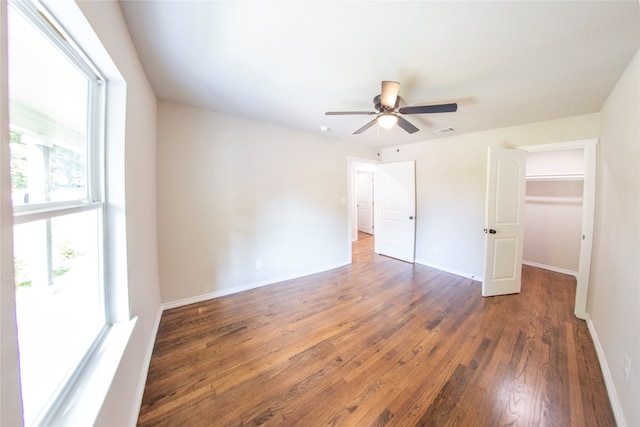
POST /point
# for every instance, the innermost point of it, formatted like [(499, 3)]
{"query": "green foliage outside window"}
[(18, 161), (21, 273)]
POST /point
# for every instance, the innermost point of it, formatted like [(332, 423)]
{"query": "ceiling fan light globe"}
[(387, 121)]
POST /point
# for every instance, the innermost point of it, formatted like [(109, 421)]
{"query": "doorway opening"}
[(561, 195), (365, 168), (390, 187), (553, 210), (357, 165)]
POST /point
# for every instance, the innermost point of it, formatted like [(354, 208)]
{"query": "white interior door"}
[(364, 201), (396, 210), (504, 221)]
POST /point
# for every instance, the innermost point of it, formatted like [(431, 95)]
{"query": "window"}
[(56, 125)]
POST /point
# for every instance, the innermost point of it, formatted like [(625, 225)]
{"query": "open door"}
[(395, 233), (504, 221)]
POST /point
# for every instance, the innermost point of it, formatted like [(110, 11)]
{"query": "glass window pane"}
[(49, 103), (59, 302)]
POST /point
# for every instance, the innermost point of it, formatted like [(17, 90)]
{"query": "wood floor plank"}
[(378, 343)]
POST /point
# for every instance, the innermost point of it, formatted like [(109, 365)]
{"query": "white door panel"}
[(364, 220), (504, 261), (504, 223), (396, 204), (364, 200), (396, 232)]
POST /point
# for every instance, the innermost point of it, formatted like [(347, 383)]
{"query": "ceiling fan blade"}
[(404, 124), (389, 94), (365, 127), (442, 108), (347, 113)]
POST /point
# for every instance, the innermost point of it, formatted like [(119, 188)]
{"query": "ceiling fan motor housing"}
[(377, 103)]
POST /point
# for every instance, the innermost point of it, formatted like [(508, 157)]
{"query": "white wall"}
[(233, 191), (556, 162), (553, 225), (614, 288), (450, 187)]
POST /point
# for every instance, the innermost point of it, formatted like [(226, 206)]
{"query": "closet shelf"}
[(554, 200), (556, 177)]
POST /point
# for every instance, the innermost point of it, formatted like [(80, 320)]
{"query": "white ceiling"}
[(505, 63)]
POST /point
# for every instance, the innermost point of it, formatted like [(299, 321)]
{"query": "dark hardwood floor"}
[(379, 342)]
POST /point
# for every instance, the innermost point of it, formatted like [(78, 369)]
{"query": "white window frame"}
[(95, 197)]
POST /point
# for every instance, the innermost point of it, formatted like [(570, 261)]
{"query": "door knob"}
[(410, 217), (491, 231)]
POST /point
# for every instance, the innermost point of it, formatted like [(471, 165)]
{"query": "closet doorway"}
[(560, 205), (357, 166)]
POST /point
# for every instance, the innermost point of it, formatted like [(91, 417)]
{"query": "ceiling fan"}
[(387, 111)]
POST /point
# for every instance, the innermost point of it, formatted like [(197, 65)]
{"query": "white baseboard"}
[(551, 268), (142, 381), (234, 290), (480, 279), (608, 379), (452, 271)]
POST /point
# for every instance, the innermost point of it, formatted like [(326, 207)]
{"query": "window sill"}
[(83, 402)]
